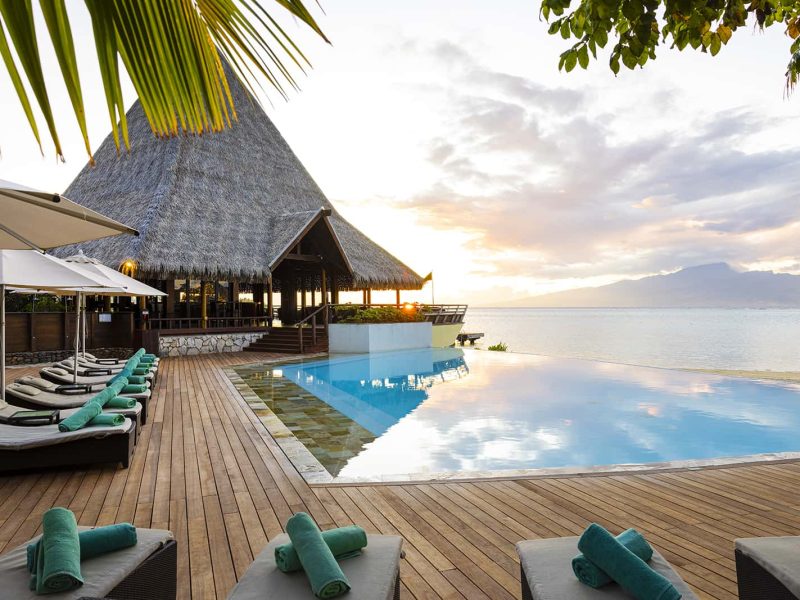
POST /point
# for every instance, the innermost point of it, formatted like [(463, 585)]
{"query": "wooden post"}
[(397, 294), (170, 299), (369, 296), (270, 305), (334, 288), (203, 305), (313, 296), (364, 296), (303, 297), (106, 303), (324, 286)]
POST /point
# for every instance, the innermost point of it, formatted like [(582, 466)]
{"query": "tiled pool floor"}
[(331, 437)]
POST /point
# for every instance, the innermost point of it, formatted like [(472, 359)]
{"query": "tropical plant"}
[(498, 347), (704, 25), (172, 50), (383, 314)]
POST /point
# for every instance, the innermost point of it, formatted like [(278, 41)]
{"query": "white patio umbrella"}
[(40, 220), (33, 270), (132, 286)]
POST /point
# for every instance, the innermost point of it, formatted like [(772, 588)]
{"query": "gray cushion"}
[(101, 574), (17, 437), (547, 565), (371, 575), (779, 556), (38, 382), (27, 390)]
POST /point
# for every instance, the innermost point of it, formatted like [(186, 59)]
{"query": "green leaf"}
[(583, 57), (570, 61), (16, 80), (614, 64), (565, 29), (716, 44)]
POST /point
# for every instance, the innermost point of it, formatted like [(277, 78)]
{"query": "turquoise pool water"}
[(450, 410)]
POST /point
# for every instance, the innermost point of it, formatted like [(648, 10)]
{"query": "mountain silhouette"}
[(706, 286)]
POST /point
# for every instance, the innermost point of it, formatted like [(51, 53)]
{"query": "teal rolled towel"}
[(105, 396), (344, 542), (590, 574), (623, 566), (122, 376), (106, 420), (136, 380), (133, 363), (134, 389), (93, 542), (140, 352), (322, 570), (121, 402), (81, 417), (58, 565), (141, 372), (118, 385)]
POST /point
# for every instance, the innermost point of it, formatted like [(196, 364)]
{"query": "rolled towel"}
[(141, 372), (118, 385), (322, 570), (147, 359), (623, 566), (81, 417), (140, 352), (105, 396), (58, 565), (134, 389), (93, 542), (590, 574), (122, 376), (344, 542), (121, 402), (136, 380), (106, 420)]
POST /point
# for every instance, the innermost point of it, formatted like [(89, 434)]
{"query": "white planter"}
[(356, 338)]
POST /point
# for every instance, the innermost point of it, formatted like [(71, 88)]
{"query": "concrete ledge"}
[(358, 338)]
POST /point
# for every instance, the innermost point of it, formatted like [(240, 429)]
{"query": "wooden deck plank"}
[(207, 469)]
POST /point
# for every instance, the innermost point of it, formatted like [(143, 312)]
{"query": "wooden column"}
[(334, 288), (303, 297), (324, 287), (397, 298), (203, 305), (369, 296), (289, 300), (270, 305), (258, 298), (364, 296)]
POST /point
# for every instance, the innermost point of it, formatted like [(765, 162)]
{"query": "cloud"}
[(548, 187)]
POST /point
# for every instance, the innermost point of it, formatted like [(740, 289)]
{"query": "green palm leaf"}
[(172, 50)]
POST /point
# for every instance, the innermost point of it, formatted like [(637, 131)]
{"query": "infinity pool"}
[(448, 411)]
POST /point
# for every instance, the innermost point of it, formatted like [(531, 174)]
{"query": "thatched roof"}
[(218, 206)]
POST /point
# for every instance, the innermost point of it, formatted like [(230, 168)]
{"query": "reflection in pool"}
[(448, 410)]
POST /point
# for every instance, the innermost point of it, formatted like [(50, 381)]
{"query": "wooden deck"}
[(207, 469)]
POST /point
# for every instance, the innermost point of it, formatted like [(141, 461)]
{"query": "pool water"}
[(371, 417)]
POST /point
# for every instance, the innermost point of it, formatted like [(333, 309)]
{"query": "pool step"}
[(285, 340)]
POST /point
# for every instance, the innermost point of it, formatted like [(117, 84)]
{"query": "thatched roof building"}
[(227, 206)]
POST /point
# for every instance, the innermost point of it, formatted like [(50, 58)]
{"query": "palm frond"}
[(172, 50)]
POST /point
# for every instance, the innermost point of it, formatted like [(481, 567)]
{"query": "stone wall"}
[(48, 356), (190, 345)]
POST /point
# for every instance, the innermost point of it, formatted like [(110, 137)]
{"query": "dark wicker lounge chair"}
[(768, 568), (147, 571), (375, 575), (44, 446), (546, 572)]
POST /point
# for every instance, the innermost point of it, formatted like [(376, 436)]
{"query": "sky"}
[(445, 131)]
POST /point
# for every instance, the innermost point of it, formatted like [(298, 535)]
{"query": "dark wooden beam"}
[(304, 257)]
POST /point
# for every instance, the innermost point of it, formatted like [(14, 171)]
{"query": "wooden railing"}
[(311, 320), (437, 314), (162, 323)]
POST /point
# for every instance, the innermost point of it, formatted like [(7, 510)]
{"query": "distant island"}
[(706, 286)]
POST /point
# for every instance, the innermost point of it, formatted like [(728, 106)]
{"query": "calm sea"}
[(690, 338)]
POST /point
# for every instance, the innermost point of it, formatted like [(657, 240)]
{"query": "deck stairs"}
[(286, 340)]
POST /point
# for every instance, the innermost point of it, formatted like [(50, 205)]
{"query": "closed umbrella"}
[(33, 270), (33, 219)]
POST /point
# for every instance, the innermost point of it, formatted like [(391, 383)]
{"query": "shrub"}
[(498, 347), (380, 314)]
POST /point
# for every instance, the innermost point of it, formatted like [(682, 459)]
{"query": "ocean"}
[(738, 339)]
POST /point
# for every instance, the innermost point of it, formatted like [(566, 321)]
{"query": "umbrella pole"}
[(77, 336), (83, 326), (3, 343)]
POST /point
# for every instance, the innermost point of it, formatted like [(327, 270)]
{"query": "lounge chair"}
[(768, 568), (88, 364), (546, 573), (84, 371), (45, 446), (146, 570), (374, 575), (64, 377), (25, 396), (111, 361), (57, 397)]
